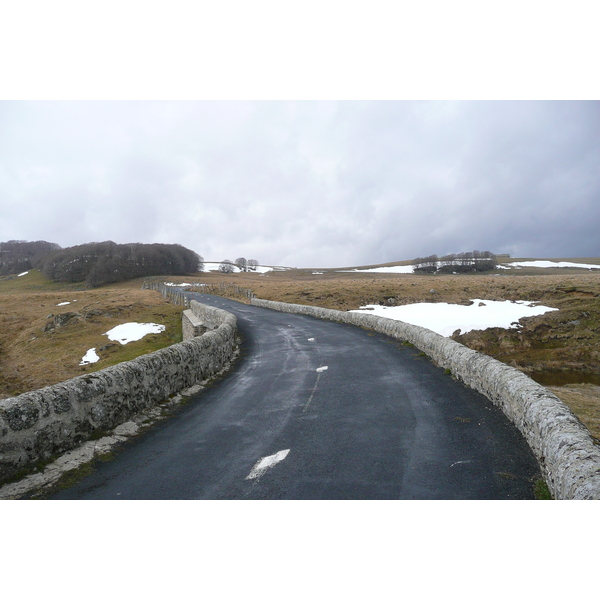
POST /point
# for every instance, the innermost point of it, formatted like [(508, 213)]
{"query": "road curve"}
[(322, 410)]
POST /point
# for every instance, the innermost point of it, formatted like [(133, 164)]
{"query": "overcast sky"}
[(316, 184)]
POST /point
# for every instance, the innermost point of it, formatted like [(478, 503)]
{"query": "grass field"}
[(563, 341), (34, 354)]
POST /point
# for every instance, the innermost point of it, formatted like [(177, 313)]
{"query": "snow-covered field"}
[(546, 264), (445, 318), (214, 266), (396, 269), (125, 333)]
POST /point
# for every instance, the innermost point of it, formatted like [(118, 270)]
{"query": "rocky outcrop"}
[(568, 457), (57, 321)]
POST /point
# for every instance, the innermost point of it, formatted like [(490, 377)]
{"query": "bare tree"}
[(427, 264), (226, 267), (463, 262), (241, 264), (252, 264)]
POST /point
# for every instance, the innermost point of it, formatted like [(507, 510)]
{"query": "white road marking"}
[(319, 371), (460, 462), (312, 393), (266, 463)]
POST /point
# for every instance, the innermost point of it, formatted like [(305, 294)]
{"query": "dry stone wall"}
[(568, 457), (191, 325), (38, 425)]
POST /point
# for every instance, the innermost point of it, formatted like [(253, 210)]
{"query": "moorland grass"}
[(33, 354)]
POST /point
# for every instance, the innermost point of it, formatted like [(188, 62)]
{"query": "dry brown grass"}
[(31, 358), (584, 401), (349, 290)]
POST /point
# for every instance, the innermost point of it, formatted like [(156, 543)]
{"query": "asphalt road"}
[(320, 410)]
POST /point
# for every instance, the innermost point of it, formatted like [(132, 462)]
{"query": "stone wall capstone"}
[(566, 453)]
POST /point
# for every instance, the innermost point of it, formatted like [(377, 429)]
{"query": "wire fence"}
[(171, 293), (177, 294)]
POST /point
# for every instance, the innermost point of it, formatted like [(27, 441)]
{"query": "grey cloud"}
[(305, 183)]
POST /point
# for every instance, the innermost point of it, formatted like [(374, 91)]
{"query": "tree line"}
[(17, 256), (97, 263), (227, 266), (463, 262)]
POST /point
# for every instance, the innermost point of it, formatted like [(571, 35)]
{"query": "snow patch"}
[(131, 332), (546, 264), (214, 266), (63, 303), (21, 274), (266, 463), (396, 269), (321, 369), (90, 357), (192, 285), (445, 319)]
